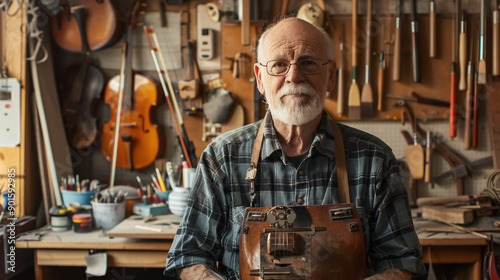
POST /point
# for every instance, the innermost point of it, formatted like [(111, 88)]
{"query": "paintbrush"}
[(354, 102), (367, 92)]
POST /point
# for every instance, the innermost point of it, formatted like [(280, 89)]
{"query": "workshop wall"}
[(227, 45), (231, 69)]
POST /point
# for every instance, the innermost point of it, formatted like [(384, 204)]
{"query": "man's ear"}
[(258, 76), (332, 75)]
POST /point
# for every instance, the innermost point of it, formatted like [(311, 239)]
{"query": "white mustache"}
[(302, 89)]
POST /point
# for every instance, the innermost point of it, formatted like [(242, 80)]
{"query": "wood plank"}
[(164, 227), (245, 23), (91, 240), (448, 254), (448, 215), (48, 257), (20, 158)]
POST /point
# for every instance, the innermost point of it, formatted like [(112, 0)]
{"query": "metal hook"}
[(7, 4)]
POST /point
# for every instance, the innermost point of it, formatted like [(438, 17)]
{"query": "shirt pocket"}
[(232, 237)]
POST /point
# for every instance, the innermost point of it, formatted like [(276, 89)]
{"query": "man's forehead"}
[(294, 47)]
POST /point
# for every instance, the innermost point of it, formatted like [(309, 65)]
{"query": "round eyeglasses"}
[(306, 66)]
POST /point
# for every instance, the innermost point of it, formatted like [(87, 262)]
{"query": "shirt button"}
[(300, 200), (301, 172)]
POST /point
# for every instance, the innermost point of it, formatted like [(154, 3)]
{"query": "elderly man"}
[(296, 167)]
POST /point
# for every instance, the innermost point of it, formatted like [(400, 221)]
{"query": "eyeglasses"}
[(306, 66)]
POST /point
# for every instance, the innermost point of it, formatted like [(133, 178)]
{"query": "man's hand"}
[(198, 271), (391, 274)]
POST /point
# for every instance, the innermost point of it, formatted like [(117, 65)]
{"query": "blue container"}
[(162, 194), (83, 198)]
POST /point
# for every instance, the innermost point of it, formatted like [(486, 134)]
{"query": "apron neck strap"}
[(340, 161)]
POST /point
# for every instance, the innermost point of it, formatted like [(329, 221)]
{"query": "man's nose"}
[(294, 75)]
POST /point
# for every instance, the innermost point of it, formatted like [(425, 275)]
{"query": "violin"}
[(86, 25), (129, 139), (86, 88)]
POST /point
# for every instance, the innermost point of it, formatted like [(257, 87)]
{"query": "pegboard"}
[(390, 133), (435, 72)]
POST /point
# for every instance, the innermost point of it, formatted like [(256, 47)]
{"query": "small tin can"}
[(82, 223), (60, 218)]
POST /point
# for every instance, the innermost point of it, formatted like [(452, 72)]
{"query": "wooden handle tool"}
[(432, 29), (475, 130), (496, 42), (415, 57), (354, 98), (468, 108), (427, 178), (367, 92), (396, 70), (340, 91), (380, 82), (482, 42), (462, 54)]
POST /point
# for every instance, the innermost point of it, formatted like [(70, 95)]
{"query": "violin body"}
[(138, 144), (78, 107), (93, 22)]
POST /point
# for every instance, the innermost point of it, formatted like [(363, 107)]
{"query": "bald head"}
[(293, 27)]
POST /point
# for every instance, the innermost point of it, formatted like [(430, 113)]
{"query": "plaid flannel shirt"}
[(210, 229)]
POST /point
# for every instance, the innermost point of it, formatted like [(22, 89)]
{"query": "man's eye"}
[(307, 62), (280, 64)]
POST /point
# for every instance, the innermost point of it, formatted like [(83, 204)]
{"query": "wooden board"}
[(493, 107), (20, 158), (448, 215), (164, 227)]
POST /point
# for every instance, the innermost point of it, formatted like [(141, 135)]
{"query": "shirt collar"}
[(322, 143)]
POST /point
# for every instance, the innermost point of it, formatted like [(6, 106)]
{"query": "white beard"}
[(295, 111)]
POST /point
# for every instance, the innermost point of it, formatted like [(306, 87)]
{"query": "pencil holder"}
[(177, 201), (108, 215)]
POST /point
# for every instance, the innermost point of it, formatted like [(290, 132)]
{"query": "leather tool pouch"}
[(302, 242)]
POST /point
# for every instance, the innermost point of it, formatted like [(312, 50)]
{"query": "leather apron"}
[(302, 242)]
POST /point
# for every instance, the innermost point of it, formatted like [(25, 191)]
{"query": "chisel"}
[(396, 70), (432, 29), (482, 42), (340, 91), (367, 92), (415, 60), (462, 54), (354, 98)]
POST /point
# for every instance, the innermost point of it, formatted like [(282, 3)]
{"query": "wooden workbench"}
[(68, 249), (462, 252)]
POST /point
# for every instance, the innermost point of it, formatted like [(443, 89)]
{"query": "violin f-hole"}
[(143, 124)]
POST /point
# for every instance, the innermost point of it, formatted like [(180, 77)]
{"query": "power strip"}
[(10, 112)]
